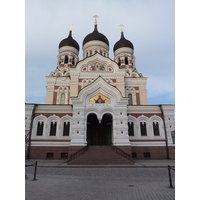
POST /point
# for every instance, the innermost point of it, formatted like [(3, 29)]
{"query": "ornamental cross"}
[(95, 19), (121, 27), (70, 26)]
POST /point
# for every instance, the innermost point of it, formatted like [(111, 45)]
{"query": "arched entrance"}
[(99, 133)]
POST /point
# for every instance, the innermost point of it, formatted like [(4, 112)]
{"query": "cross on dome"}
[(70, 26), (95, 19), (121, 27)]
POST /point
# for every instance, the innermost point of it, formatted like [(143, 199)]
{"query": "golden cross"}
[(121, 27), (70, 26), (95, 19)]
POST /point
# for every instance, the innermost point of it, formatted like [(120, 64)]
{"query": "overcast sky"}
[(149, 25)]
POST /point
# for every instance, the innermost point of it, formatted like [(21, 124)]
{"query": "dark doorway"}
[(99, 133)]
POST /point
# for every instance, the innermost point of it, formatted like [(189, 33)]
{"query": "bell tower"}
[(123, 52)]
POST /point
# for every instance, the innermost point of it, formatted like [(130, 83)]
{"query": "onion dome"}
[(95, 35), (123, 42), (69, 41)]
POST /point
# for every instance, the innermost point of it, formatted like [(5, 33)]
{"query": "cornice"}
[(143, 109), (47, 108)]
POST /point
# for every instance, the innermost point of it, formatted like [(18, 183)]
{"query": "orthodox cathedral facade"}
[(98, 101)]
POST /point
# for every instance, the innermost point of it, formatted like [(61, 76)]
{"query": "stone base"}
[(57, 153), (153, 153), (54, 153)]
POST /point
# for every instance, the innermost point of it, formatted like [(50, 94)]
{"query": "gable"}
[(91, 92), (97, 63)]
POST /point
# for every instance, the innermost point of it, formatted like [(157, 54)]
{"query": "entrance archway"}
[(99, 133)]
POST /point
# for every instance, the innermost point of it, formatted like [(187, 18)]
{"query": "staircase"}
[(100, 155)]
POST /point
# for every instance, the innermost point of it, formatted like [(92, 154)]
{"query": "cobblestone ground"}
[(99, 184)]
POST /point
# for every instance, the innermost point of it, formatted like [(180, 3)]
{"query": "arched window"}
[(62, 98), (143, 129), (130, 99), (126, 61), (53, 126), (40, 128), (86, 54), (66, 59), (73, 61), (131, 129), (156, 129), (66, 127)]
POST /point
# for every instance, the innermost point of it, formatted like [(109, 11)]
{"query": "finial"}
[(70, 26), (95, 19), (121, 27)]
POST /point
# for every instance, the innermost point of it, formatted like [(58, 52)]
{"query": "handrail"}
[(77, 154), (122, 153)]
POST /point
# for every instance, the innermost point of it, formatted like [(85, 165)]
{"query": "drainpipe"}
[(167, 149), (29, 142)]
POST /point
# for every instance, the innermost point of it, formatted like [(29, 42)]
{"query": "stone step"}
[(99, 155)]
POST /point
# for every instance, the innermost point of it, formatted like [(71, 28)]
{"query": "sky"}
[(149, 25)]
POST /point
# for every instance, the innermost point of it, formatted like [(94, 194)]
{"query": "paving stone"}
[(99, 183)]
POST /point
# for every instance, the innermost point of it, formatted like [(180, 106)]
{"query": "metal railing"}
[(77, 154), (170, 178), (122, 153), (35, 170)]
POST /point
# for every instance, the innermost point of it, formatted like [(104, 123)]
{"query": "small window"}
[(156, 129), (134, 155), (62, 99), (146, 155), (86, 54), (143, 129), (73, 61), (53, 129), (126, 61), (50, 155), (40, 128), (66, 59), (66, 129), (64, 155), (130, 99), (173, 136), (131, 129)]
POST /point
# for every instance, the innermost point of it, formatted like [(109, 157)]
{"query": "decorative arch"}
[(60, 99), (141, 121), (82, 108), (65, 119), (40, 118), (153, 121), (99, 86), (53, 119)]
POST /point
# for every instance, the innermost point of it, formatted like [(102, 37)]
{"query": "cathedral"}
[(98, 102)]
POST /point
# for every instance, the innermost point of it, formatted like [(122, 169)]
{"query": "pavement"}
[(144, 180), (137, 164)]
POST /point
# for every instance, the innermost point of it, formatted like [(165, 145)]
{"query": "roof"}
[(69, 41), (95, 35), (123, 42)]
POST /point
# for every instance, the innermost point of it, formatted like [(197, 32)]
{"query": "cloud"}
[(149, 25)]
